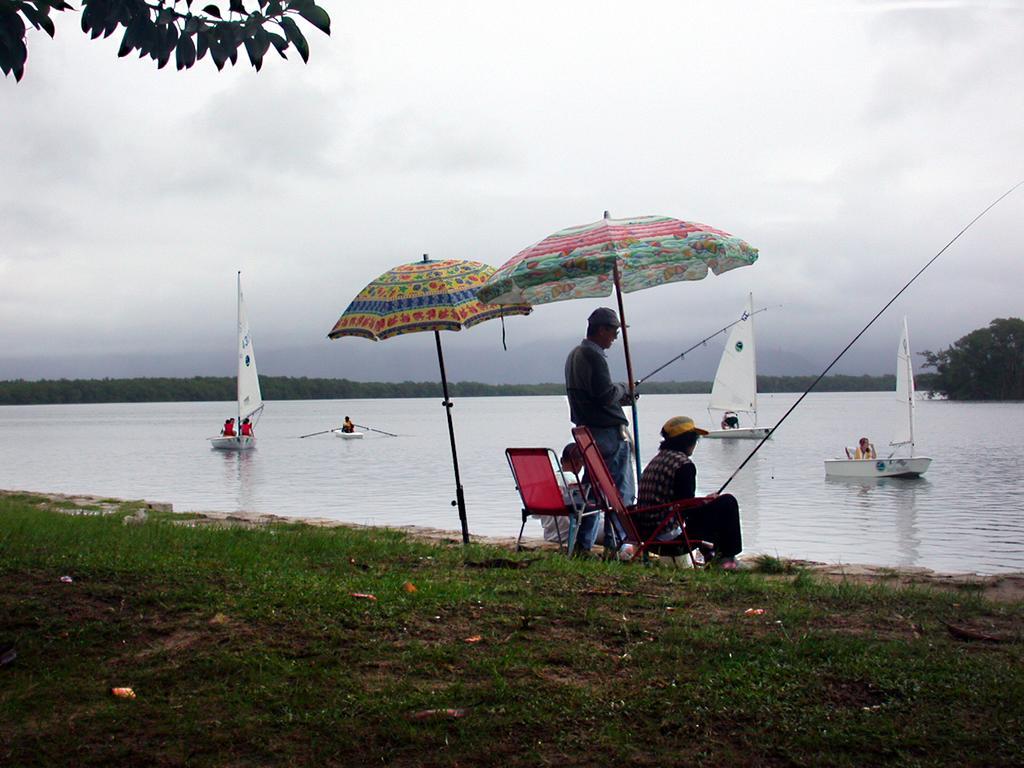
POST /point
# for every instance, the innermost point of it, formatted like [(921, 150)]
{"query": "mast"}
[(238, 372), (910, 383), (753, 350)]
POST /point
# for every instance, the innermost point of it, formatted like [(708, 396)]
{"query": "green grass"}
[(247, 647)]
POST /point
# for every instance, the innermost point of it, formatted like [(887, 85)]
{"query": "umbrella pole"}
[(460, 499), (629, 369)]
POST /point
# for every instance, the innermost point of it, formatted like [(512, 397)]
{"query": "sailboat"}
[(250, 401), (913, 466), (735, 387)]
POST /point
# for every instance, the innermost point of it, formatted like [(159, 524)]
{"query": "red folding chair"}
[(534, 472), (670, 515)]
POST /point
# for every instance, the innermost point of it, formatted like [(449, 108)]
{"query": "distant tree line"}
[(986, 364), (218, 389)]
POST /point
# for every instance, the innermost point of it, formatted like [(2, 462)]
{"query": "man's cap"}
[(604, 316), (680, 425)]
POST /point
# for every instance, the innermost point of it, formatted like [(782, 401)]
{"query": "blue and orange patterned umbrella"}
[(426, 296)]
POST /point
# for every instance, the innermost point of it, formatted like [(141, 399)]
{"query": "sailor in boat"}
[(229, 428), (246, 428), (672, 476), (730, 420), (865, 450), (348, 426)]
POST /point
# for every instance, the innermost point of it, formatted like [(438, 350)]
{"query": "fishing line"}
[(705, 340), (863, 330)]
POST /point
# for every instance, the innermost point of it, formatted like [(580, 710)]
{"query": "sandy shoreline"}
[(1008, 587)]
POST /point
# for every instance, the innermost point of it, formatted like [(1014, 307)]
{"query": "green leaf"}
[(318, 17), (295, 36), (252, 47), (127, 43), (279, 43), (218, 52), (202, 43), (37, 19), (185, 52)]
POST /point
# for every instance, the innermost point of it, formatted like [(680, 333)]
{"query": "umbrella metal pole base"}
[(460, 498)]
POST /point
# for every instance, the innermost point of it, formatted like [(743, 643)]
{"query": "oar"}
[(389, 434), (322, 432)]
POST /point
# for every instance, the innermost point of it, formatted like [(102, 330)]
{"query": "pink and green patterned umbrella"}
[(422, 296), (426, 296), (622, 254), (579, 262)]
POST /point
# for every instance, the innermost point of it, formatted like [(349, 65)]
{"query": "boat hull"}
[(348, 435), (868, 468), (237, 443), (740, 433)]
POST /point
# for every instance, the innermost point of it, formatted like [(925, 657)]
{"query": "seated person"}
[(348, 426), (229, 428), (865, 450), (730, 420), (246, 428), (672, 476), (556, 527)]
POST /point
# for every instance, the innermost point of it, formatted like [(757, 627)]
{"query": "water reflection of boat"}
[(892, 466), (889, 508)]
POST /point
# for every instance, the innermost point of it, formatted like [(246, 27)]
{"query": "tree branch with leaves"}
[(162, 28)]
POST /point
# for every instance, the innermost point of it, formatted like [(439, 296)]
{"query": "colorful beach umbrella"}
[(426, 295), (626, 255)]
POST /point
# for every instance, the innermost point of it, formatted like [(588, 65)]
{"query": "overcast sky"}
[(847, 141)]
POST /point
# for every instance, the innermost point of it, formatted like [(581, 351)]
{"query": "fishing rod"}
[(389, 434), (703, 341), (871, 322)]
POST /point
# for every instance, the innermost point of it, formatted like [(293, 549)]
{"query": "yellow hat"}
[(679, 425)]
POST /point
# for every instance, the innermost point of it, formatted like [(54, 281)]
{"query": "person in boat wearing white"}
[(228, 429), (865, 450), (596, 402), (672, 476), (348, 426), (730, 420), (246, 429)]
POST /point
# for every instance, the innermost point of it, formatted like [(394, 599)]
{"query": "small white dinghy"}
[(348, 435), (911, 466), (250, 400), (735, 387)]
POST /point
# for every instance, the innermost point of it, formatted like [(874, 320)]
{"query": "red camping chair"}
[(534, 472), (671, 514)]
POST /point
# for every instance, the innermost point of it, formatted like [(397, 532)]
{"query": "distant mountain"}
[(414, 357)]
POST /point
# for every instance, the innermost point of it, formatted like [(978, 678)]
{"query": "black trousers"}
[(717, 521)]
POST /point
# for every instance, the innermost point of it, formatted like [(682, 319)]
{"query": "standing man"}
[(595, 402)]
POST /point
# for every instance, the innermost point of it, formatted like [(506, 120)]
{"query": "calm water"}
[(964, 515)]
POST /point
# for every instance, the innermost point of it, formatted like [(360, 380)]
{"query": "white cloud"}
[(848, 141)]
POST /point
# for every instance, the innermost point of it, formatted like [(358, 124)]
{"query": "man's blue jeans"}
[(615, 451)]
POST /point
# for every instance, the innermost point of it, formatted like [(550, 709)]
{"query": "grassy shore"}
[(298, 645)]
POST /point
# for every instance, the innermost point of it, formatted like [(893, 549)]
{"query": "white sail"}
[(249, 398), (905, 390), (735, 387)]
